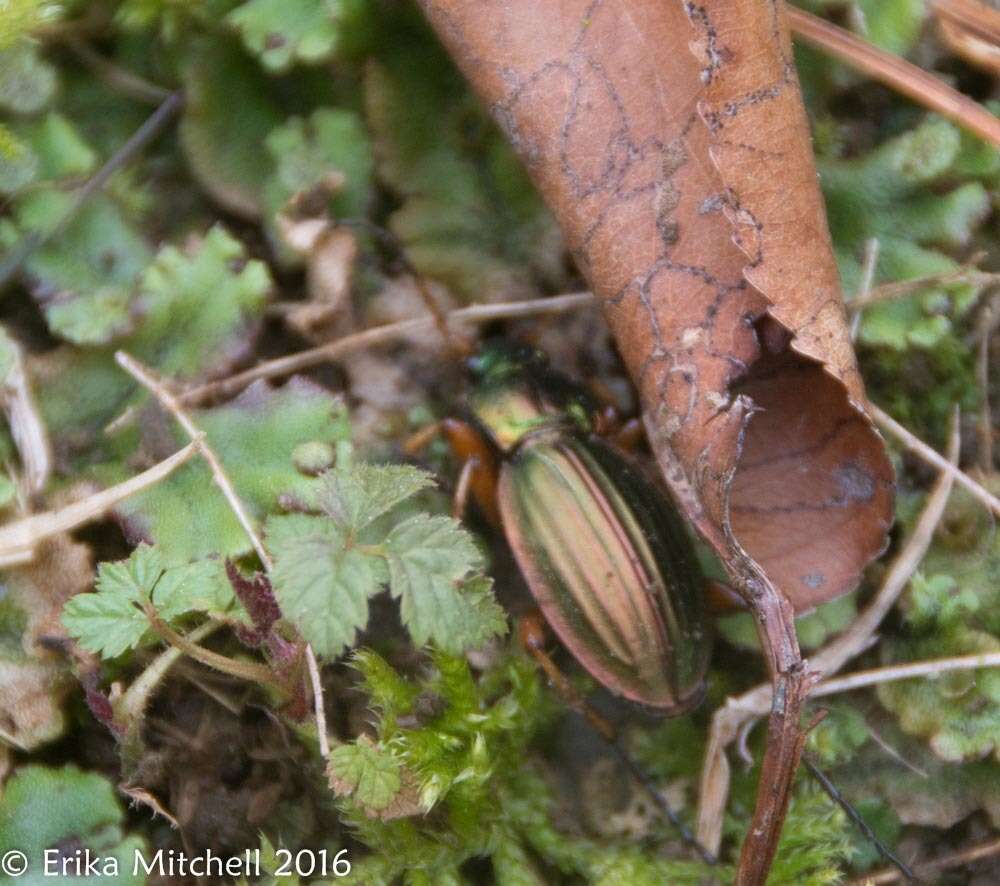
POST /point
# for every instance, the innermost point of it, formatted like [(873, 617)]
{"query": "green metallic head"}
[(518, 394)]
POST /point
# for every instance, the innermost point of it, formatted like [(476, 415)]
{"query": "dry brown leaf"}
[(603, 101), (34, 680), (671, 141)]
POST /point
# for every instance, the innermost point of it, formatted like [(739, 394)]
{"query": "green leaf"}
[(27, 83), (45, 809), (372, 776), (358, 495), (470, 216), (18, 163), (227, 116), (112, 619), (254, 437), (306, 151), (84, 278), (199, 310), (322, 585), (21, 17), (429, 560), (283, 32), (886, 195)]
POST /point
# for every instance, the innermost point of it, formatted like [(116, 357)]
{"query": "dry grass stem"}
[(903, 288), (317, 686), (18, 539), (953, 860), (25, 423), (897, 73), (906, 671), (377, 335), (917, 446), (148, 380)]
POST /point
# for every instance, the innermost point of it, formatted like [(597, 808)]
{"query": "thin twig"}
[(834, 794), (984, 429), (896, 73), (953, 860), (859, 822), (125, 82), (908, 671), (377, 335), (921, 449), (17, 539), (318, 704), (903, 288), (151, 128), (729, 721), (148, 380), (868, 269)]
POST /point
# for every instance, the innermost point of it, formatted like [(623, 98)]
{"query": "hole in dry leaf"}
[(812, 494)]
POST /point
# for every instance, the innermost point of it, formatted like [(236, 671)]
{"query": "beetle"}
[(604, 551)]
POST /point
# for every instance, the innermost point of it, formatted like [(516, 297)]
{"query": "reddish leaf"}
[(603, 102)]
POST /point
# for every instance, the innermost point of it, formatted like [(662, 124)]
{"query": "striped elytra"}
[(610, 564)]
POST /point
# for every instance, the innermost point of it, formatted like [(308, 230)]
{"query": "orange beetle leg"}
[(480, 472)]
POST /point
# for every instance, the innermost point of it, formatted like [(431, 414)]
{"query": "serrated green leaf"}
[(199, 310), (283, 32), (106, 623), (254, 437), (26, 82), (112, 619), (430, 559), (885, 195), (84, 278), (44, 808), (358, 495), (322, 585), (372, 776), (201, 586)]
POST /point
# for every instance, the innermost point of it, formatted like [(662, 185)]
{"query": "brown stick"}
[(367, 338), (952, 860), (729, 721), (897, 73)]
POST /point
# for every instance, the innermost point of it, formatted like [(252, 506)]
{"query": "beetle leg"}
[(418, 441), (532, 633), (479, 463), (461, 499), (629, 435)]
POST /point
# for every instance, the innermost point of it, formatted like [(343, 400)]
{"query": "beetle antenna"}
[(533, 638), (860, 823), (459, 348)]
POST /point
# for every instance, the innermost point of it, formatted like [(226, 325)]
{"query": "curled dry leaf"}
[(671, 141), (18, 407)]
